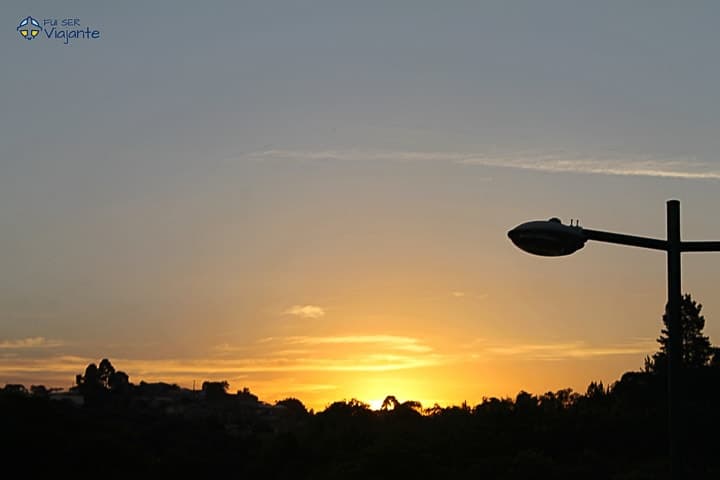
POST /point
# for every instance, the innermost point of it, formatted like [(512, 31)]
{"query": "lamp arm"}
[(630, 240), (700, 246)]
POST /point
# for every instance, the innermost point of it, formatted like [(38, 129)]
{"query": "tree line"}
[(616, 431)]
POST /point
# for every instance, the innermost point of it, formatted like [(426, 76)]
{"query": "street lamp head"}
[(548, 238)]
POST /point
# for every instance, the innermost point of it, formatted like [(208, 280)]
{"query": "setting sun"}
[(375, 404)]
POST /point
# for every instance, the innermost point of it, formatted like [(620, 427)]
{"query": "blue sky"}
[(172, 189)]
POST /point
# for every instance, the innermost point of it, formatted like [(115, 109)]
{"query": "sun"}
[(375, 404)]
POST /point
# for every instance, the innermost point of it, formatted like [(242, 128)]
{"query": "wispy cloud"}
[(561, 350), (629, 165), (272, 355), (557, 161), (409, 344), (468, 295), (306, 311), (226, 349), (194, 368), (391, 353), (29, 342), (292, 386)]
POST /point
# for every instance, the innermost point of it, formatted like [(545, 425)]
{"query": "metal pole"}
[(674, 354), (701, 246), (622, 239)]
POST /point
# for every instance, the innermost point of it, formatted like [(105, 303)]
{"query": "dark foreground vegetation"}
[(106, 427)]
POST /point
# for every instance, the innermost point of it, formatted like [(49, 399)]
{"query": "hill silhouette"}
[(108, 427)]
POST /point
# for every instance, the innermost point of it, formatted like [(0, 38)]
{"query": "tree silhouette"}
[(525, 402), (89, 381), (697, 350), (99, 382), (347, 409), (119, 382), (40, 391), (105, 372), (15, 389), (215, 390), (595, 391), (715, 362), (413, 405), (607, 432), (390, 403), (295, 407), (90, 385)]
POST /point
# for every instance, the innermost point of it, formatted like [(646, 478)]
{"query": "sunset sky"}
[(311, 199)]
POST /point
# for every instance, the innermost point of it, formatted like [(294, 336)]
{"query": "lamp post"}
[(551, 238)]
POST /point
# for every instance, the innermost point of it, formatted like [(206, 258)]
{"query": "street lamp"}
[(550, 238)]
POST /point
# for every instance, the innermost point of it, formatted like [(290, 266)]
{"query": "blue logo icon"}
[(66, 29), (29, 28)]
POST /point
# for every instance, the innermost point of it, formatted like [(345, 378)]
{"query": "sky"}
[(311, 199)]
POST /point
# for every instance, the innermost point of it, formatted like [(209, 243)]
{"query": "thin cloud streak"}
[(369, 353), (29, 342), (180, 367), (306, 311), (269, 355), (563, 350), (397, 342), (552, 162)]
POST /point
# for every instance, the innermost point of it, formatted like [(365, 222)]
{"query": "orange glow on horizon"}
[(319, 370)]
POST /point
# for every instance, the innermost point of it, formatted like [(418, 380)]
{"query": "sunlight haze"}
[(312, 199)]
